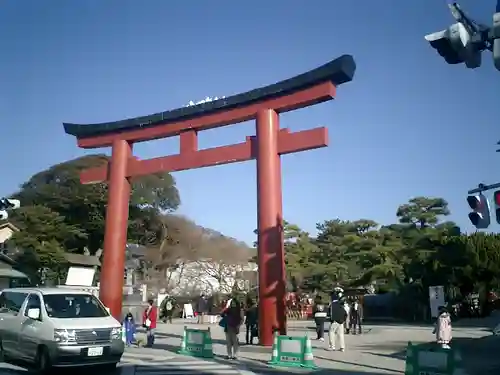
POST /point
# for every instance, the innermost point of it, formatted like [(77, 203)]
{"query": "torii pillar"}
[(269, 143)]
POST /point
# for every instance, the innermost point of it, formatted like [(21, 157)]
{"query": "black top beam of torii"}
[(338, 71)]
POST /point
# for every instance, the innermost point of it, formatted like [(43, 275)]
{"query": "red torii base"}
[(266, 147)]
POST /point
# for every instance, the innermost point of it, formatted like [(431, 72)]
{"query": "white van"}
[(52, 327)]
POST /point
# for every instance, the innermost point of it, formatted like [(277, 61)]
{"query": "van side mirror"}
[(34, 314)]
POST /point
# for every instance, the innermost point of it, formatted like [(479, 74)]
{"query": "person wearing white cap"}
[(338, 317)]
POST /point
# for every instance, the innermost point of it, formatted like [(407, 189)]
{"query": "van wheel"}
[(43, 365)]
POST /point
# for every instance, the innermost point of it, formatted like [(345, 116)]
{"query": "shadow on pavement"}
[(357, 364), (261, 367), (480, 356)]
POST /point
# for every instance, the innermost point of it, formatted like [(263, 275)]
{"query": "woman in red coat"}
[(149, 319)]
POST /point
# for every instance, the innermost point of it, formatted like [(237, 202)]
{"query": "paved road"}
[(381, 350), (137, 363)]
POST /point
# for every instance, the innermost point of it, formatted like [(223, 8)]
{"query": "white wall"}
[(193, 278)]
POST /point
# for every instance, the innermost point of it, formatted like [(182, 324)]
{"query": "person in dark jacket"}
[(233, 318), (201, 308), (355, 317), (338, 316), (211, 309), (320, 315), (251, 321)]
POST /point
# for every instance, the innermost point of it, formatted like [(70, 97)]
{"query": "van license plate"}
[(95, 352)]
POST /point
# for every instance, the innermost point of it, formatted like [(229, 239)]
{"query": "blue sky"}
[(408, 125)]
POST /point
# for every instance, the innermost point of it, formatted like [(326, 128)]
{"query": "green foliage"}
[(422, 249), (44, 236), (422, 211), (60, 214), (84, 206)]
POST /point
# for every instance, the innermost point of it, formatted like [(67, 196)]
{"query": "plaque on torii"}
[(270, 142)]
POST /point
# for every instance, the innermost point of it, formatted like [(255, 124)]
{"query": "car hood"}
[(85, 323)]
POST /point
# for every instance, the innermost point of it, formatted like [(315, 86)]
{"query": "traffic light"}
[(496, 199), (465, 40), (456, 45), (495, 35), (480, 217)]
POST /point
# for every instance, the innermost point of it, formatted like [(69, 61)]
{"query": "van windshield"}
[(73, 306)]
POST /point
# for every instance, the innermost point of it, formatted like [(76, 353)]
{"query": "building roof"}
[(82, 260), (10, 226)]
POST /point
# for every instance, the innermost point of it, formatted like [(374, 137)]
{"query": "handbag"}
[(223, 322), (147, 322)]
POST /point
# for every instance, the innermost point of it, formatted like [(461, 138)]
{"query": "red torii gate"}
[(269, 143)]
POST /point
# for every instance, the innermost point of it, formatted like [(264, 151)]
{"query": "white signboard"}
[(188, 311), (436, 299), (80, 276)]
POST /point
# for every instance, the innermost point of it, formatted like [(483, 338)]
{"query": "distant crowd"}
[(343, 313), (230, 314)]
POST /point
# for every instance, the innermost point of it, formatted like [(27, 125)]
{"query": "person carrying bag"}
[(149, 320)]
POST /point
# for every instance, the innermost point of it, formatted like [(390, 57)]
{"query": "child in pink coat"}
[(443, 328)]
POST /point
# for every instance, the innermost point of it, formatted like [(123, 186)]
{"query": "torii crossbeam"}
[(269, 143)]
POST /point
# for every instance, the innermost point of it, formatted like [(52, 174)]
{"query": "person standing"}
[(232, 322), (320, 315), (201, 308), (212, 309), (149, 320), (251, 321), (443, 328), (355, 317), (338, 317), (347, 309), (129, 327)]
